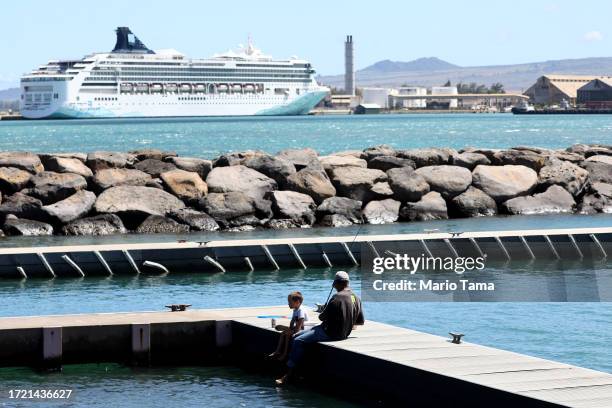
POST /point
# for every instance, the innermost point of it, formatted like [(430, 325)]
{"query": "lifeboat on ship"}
[(142, 87), (222, 88), (249, 88), (126, 87), (199, 88), (171, 88), (237, 88), (185, 88), (156, 88)]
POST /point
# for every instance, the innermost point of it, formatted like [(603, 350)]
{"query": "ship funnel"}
[(127, 42)]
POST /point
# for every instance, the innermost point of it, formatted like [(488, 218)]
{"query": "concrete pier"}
[(324, 251), (390, 364)]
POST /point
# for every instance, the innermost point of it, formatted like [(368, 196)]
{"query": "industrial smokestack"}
[(349, 67)]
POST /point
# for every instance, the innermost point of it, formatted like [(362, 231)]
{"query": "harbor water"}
[(575, 333)]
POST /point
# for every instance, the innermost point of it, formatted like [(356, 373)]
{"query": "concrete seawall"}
[(388, 364)]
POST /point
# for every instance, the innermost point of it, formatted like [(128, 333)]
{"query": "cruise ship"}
[(134, 81)]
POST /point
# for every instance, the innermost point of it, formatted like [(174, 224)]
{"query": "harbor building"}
[(376, 96), (398, 103), (443, 102), (596, 94), (554, 89)]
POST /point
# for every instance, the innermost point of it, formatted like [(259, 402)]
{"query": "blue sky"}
[(461, 32)]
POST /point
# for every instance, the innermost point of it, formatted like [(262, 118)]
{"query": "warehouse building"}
[(553, 89), (596, 94)]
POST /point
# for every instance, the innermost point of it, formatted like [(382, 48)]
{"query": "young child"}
[(296, 325)]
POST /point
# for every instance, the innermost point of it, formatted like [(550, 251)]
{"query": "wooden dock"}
[(388, 363)]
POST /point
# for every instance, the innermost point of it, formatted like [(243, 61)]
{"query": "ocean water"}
[(209, 137)]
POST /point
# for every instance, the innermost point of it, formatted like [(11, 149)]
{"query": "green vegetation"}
[(474, 88)]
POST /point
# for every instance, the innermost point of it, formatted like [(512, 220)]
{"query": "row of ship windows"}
[(105, 99), (206, 64), (203, 70), (194, 74), (183, 79)]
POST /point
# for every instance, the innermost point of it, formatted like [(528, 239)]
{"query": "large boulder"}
[(144, 154), (50, 187), (470, 160), (377, 151), (294, 206), (598, 171), (134, 203), (597, 199), (103, 224), (301, 158), (154, 167), (186, 185), (600, 158), (428, 157), (313, 182), (200, 166), (60, 164), (197, 220), (504, 182), (381, 191), (565, 174), (239, 178), (276, 168), (22, 206), (525, 158), (71, 208), (473, 203), (331, 162), (236, 208), (235, 158), (13, 179), (446, 180), (157, 224), (348, 208), (107, 178), (588, 150), (406, 184), (554, 200), (356, 182), (45, 157), (381, 212), (29, 162), (19, 226), (430, 207), (106, 160), (334, 220), (385, 163)]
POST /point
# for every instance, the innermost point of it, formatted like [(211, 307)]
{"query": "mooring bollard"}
[(456, 337)]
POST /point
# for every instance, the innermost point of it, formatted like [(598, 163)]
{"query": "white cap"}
[(341, 276)]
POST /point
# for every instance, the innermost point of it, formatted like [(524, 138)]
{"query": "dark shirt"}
[(341, 313)]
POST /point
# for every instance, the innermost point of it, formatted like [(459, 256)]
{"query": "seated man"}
[(338, 317)]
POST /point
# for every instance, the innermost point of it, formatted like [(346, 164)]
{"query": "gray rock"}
[(600, 158), (68, 165), (29, 162), (20, 226), (567, 156), (294, 206), (50, 187), (406, 184), (239, 178), (334, 220), (197, 220), (45, 157), (428, 157), (283, 224), (430, 207), (565, 174), (525, 158), (106, 160), (446, 180), (134, 203), (157, 224), (385, 163), (331, 162), (103, 224), (347, 208), (154, 167), (301, 158), (504, 182), (470, 160), (235, 158), (107, 178), (276, 168), (598, 172), (473, 203), (381, 212), (200, 166), (377, 151), (76, 206), (554, 200), (588, 150), (236, 208), (156, 154), (313, 182), (13, 179), (356, 182), (354, 153), (186, 185), (381, 191), (22, 206), (597, 199)]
